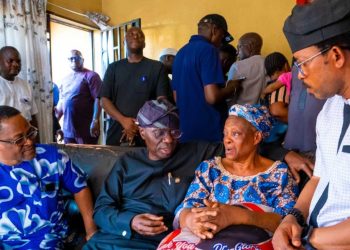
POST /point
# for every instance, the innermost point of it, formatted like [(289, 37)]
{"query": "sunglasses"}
[(75, 58)]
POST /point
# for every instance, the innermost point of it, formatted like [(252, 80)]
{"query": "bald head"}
[(249, 44), (76, 60), (7, 49), (76, 52), (10, 62)]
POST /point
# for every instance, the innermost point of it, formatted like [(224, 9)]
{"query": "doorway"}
[(65, 35)]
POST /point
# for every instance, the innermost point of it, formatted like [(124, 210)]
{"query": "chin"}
[(322, 96), (28, 157), (230, 157), (29, 154), (166, 156)]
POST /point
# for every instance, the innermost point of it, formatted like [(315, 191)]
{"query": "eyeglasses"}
[(31, 135), (74, 58), (161, 133), (299, 65)]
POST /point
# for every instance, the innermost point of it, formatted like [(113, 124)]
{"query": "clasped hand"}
[(205, 222), (148, 224), (130, 131)]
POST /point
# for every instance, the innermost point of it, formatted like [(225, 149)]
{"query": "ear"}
[(338, 56), (251, 49), (212, 29), (142, 132), (257, 137)]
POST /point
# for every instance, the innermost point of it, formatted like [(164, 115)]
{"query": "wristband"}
[(298, 216)]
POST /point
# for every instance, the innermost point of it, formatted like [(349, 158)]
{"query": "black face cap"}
[(316, 22), (219, 21)]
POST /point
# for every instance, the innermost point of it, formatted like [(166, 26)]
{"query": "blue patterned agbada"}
[(31, 200), (274, 187)]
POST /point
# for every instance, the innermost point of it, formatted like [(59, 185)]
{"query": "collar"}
[(198, 38), (346, 101), (8, 81)]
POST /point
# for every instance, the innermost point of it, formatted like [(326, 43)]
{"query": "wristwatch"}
[(298, 216), (307, 229), (305, 236)]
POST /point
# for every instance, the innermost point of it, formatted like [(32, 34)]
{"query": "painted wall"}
[(171, 23), (80, 6)]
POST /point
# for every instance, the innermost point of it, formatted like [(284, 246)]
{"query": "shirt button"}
[(124, 233)]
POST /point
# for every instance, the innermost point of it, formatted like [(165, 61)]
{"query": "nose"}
[(301, 76), (134, 35), (28, 141), (227, 140), (168, 137), (16, 63)]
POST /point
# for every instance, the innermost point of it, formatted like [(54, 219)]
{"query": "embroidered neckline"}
[(218, 162)]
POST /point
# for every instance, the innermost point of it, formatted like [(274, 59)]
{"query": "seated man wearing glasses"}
[(79, 103), (31, 181), (135, 208)]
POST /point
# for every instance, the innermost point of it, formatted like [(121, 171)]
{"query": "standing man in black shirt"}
[(127, 85)]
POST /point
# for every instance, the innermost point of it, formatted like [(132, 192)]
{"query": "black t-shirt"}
[(129, 86)]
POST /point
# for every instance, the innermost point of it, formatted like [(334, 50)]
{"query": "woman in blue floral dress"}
[(242, 176)]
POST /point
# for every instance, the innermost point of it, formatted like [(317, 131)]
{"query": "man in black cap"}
[(199, 84), (135, 208), (319, 36)]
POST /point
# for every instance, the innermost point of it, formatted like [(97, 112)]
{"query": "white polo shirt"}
[(18, 94), (332, 165)]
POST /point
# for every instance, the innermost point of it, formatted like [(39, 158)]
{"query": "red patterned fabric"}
[(235, 237)]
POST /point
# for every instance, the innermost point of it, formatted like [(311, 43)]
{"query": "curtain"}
[(23, 26)]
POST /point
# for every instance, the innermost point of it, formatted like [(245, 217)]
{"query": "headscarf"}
[(256, 115)]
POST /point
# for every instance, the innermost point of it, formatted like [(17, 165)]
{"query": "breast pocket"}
[(49, 188), (346, 149), (180, 185), (142, 85), (341, 163)]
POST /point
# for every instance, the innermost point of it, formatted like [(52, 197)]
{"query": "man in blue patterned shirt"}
[(32, 178)]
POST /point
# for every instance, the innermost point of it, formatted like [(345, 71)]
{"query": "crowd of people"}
[(216, 128)]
